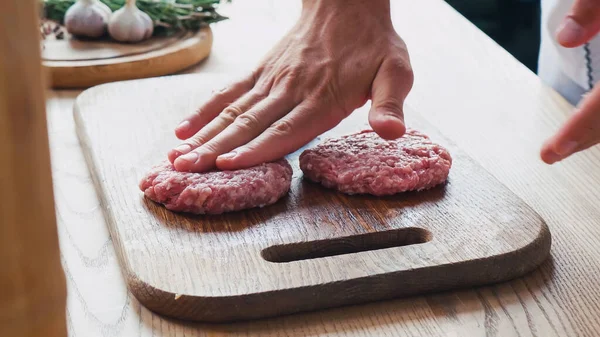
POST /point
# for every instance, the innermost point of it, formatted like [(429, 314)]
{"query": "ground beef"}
[(364, 163), (217, 192)]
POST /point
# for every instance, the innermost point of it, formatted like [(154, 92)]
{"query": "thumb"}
[(391, 85), (581, 24), (581, 131)]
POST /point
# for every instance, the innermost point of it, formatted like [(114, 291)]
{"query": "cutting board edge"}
[(224, 309), (156, 63), (81, 133)]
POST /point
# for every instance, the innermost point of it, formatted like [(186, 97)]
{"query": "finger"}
[(581, 131), (579, 148), (285, 136), (246, 127), (209, 110), (391, 85), (218, 124), (581, 24)]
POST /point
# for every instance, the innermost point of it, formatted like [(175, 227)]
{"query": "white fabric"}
[(565, 69)]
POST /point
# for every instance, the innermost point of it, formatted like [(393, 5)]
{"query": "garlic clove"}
[(87, 18), (149, 24), (130, 24), (104, 8)]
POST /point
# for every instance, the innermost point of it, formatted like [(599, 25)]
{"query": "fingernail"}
[(570, 32), (183, 126), (385, 114), (393, 115), (228, 155), (183, 148), (553, 157), (191, 157), (566, 148)]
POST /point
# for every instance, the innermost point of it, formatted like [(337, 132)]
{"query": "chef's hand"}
[(582, 130), (338, 55)]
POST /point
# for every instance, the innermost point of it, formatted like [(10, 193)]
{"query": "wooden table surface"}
[(477, 95)]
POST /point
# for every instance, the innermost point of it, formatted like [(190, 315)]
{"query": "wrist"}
[(356, 9)]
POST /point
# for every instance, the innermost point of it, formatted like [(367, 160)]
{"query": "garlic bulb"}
[(129, 24), (87, 18)]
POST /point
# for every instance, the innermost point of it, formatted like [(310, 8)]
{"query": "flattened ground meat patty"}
[(217, 191), (364, 163)]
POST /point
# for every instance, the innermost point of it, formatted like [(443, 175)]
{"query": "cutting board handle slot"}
[(346, 245)]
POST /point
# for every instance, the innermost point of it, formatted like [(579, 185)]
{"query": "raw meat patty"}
[(217, 192), (364, 163)]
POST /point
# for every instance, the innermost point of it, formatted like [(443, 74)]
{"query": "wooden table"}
[(478, 96)]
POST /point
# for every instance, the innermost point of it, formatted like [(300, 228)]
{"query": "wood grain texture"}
[(467, 87), (32, 283), (212, 268), (73, 49), (70, 67)]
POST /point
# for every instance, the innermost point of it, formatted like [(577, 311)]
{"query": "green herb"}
[(168, 15)]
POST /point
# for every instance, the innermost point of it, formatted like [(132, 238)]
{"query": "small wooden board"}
[(74, 63), (314, 249)]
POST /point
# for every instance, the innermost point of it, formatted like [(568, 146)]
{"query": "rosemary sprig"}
[(168, 15)]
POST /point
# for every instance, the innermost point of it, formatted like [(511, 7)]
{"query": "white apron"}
[(570, 71)]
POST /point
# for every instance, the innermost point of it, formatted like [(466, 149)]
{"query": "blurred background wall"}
[(513, 24)]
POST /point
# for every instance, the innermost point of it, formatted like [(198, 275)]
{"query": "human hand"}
[(582, 129), (338, 55)]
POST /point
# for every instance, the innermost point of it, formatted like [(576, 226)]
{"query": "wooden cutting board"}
[(75, 63), (314, 249)]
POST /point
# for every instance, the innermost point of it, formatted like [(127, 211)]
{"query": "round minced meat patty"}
[(217, 192), (364, 163)]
